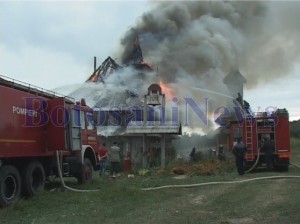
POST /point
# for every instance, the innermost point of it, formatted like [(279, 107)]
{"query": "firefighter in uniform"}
[(239, 150)]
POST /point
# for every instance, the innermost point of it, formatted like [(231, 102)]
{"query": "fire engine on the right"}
[(254, 129)]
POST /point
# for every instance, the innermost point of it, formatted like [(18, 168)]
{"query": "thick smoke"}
[(194, 45), (198, 42)]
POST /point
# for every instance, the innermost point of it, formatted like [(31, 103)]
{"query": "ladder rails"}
[(249, 135)]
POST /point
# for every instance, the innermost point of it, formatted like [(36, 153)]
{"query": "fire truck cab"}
[(38, 128)]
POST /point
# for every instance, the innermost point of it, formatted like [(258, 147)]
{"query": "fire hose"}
[(225, 182), (174, 186), (217, 182), (62, 179), (255, 163), (294, 165)]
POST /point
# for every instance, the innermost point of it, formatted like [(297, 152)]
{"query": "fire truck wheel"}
[(33, 178), (87, 172), (10, 186)]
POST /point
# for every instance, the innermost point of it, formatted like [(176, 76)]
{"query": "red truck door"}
[(58, 119)]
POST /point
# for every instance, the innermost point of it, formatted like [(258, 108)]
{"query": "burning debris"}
[(117, 86), (109, 65)]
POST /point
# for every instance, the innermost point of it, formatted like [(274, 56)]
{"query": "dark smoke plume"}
[(198, 42)]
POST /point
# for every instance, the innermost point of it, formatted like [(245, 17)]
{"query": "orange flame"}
[(168, 91), (95, 76)]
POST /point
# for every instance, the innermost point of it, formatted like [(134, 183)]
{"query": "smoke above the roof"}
[(198, 42), (193, 45)]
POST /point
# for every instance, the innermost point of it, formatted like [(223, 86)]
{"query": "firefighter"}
[(268, 149), (239, 150)]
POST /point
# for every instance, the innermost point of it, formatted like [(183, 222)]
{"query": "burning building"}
[(193, 45), (127, 115)]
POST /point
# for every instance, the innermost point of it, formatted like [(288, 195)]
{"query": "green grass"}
[(295, 145), (122, 201)]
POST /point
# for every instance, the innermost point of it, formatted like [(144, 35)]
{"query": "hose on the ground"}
[(294, 165), (174, 186), (217, 182), (62, 179), (255, 163), (223, 182)]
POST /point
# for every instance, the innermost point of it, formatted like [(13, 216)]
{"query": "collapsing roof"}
[(109, 65)]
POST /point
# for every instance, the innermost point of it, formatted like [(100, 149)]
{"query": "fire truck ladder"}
[(249, 136)]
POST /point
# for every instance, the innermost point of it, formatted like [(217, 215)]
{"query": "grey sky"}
[(53, 43)]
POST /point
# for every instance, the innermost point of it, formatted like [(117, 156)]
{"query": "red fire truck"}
[(36, 127), (254, 129)]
